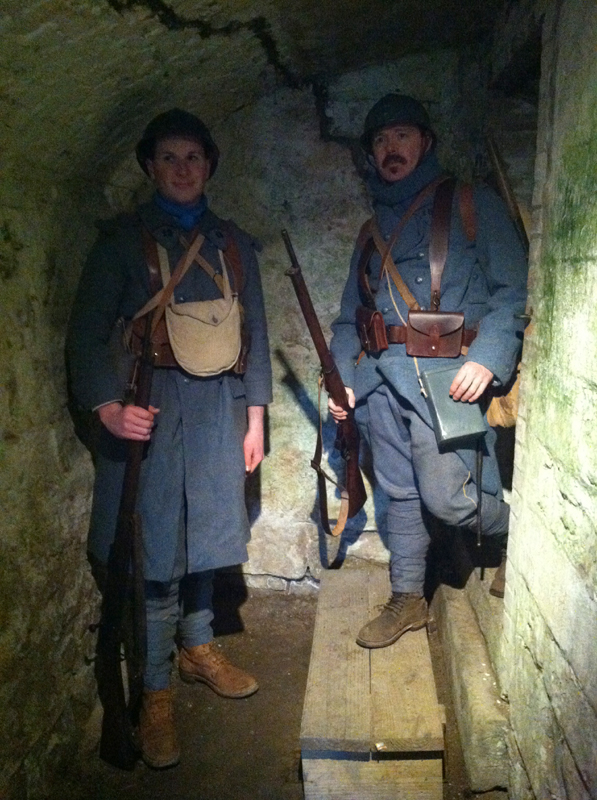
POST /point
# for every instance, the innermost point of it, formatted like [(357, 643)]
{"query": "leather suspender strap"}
[(153, 264), (368, 246), (386, 253), (438, 248), (388, 265), (466, 206), (440, 234), (162, 297), (385, 248), (233, 260)]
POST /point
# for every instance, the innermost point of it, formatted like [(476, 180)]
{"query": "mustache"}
[(393, 158)]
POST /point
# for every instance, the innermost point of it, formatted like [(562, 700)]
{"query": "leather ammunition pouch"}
[(372, 330), (434, 334), (162, 352)]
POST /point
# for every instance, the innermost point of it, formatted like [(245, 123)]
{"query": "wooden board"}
[(360, 700), (337, 708), (327, 779), (405, 713)]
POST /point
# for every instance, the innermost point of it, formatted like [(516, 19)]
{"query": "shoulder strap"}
[(440, 236), (233, 258), (151, 257), (466, 204), (162, 297), (367, 245), (387, 265), (440, 229), (233, 261), (370, 237), (385, 248)]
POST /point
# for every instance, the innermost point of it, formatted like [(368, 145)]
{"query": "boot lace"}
[(397, 602), (211, 656)]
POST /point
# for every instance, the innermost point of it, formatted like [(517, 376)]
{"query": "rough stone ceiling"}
[(79, 78)]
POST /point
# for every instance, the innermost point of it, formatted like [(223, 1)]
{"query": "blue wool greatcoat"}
[(191, 496), (485, 279)]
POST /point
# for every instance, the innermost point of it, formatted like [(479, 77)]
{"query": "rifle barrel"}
[(347, 440), (506, 190), (333, 381)]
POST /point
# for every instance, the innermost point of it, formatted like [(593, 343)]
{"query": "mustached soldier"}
[(484, 276), (204, 425)]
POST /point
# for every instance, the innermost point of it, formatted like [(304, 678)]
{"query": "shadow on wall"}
[(355, 526)]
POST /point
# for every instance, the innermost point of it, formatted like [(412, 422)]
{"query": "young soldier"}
[(204, 431), (485, 278)]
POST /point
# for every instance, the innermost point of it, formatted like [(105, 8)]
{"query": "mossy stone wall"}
[(548, 665)]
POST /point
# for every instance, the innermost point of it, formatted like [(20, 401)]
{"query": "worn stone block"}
[(481, 713)]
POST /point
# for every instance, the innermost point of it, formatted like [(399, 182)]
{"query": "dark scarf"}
[(186, 216)]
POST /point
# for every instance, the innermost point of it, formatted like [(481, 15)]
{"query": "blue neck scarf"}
[(398, 196), (186, 216)]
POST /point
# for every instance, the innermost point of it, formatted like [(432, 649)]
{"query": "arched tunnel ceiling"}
[(80, 78)]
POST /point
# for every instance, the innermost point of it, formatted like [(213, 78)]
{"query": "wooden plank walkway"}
[(372, 728)]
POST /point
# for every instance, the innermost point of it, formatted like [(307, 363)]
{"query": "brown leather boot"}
[(498, 584), (207, 664), (403, 612), (159, 747)]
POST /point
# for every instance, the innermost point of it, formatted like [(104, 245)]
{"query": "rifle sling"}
[(322, 476)]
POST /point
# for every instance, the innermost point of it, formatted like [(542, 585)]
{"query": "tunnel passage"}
[(285, 88)]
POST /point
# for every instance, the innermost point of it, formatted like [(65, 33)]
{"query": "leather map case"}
[(453, 421)]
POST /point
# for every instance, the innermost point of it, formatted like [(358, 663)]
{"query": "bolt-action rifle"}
[(353, 495), (123, 620), (506, 191)]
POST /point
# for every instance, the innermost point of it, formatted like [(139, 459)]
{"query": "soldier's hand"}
[(128, 422), (337, 412), (470, 382), (253, 445)]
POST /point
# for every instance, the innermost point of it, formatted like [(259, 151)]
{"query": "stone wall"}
[(548, 667), (47, 599)]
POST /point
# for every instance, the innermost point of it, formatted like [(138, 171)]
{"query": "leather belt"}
[(397, 335)]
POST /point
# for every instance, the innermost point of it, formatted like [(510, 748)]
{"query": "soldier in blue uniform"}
[(204, 432), (485, 278)]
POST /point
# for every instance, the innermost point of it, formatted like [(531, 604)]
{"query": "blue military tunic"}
[(485, 279), (191, 496)]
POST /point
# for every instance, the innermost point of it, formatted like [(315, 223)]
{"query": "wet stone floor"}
[(246, 749)]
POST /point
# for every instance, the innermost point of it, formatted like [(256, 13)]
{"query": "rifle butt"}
[(349, 445), (117, 745), (356, 490)]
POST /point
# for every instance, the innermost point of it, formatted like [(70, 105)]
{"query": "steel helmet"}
[(395, 109), (176, 122)]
